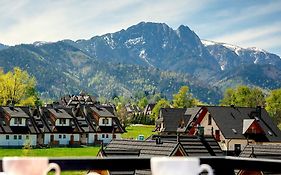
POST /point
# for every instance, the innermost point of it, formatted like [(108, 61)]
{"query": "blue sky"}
[(246, 23)]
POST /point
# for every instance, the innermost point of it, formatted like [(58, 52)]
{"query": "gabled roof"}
[(30, 127), (59, 113), (147, 148), (230, 121), (149, 107), (195, 146), (262, 151), (101, 111), (172, 118), (15, 112)]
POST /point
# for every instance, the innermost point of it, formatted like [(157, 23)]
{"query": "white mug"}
[(28, 166), (178, 166)]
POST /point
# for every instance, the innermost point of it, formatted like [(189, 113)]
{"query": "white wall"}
[(67, 122), (65, 138), (109, 122), (32, 140), (105, 139), (91, 138), (23, 121), (47, 138)]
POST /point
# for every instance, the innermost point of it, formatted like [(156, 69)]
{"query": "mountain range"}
[(150, 57)]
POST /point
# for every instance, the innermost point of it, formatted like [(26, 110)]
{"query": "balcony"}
[(221, 165)]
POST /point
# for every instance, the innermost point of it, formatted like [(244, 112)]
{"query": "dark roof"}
[(230, 119), (262, 151), (101, 111), (172, 118), (60, 113), (30, 127), (192, 112), (15, 112), (195, 146), (109, 108), (147, 148)]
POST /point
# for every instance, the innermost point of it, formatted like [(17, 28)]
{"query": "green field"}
[(134, 130)]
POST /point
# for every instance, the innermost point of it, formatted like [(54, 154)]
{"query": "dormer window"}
[(63, 121), (105, 121), (18, 121)]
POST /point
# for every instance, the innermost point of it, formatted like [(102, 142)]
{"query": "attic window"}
[(270, 133), (234, 130)]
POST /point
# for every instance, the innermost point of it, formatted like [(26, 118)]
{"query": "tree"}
[(273, 107), (143, 102), (17, 87), (183, 99), (243, 96), (162, 103)]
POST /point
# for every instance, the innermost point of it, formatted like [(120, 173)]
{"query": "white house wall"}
[(65, 141), (91, 138), (32, 140), (106, 137), (47, 138)]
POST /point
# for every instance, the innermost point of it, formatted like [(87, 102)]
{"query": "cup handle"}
[(207, 168), (54, 166)]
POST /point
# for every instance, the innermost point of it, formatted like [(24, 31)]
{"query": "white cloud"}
[(56, 20)]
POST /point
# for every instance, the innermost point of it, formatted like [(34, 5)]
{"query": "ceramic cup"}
[(178, 166), (28, 166)]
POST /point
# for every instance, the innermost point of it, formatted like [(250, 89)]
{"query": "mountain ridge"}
[(136, 58)]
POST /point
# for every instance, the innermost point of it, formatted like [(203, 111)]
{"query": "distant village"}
[(199, 131)]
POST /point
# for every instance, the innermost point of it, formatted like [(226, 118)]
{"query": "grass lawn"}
[(54, 152), (134, 130)]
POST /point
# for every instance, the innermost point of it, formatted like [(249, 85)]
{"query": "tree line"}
[(17, 87)]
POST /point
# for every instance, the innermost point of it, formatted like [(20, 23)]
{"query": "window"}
[(237, 149), (20, 120), (15, 137), (64, 136), (105, 121), (59, 136), (209, 119), (20, 137), (102, 135), (106, 135), (7, 137), (87, 135), (27, 137)]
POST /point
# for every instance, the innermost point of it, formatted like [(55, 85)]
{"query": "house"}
[(88, 131), (64, 130), (235, 127), (137, 148), (16, 127), (41, 124), (107, 125), (172, 121), (148, 109)]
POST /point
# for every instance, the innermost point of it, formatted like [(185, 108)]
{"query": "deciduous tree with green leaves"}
[(273, 106), (243, 96), (162, 103), (183, 99), (18, 87), (143, 102)]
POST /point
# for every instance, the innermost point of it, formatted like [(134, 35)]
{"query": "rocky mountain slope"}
[(149, 57)]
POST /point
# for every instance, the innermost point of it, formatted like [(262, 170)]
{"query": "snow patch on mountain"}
[(109, 40), (143, 55), (132, 42)]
